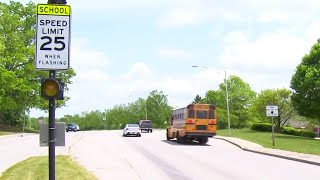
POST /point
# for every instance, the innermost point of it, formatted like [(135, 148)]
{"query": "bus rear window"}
[(191, 113), (202, 115), (211, 114)]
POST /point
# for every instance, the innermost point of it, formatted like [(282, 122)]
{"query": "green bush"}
[(307, 133), (298, 132), (266, 127), (290, 130), (31, 131)]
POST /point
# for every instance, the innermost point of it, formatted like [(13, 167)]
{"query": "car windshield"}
[(71, 125), (133, 125), (146, 122)]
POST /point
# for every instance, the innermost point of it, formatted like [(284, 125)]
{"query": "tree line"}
[(155, 107)]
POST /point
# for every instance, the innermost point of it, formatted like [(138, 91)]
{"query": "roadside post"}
[(104, 118), (52, 54), (272, 111)]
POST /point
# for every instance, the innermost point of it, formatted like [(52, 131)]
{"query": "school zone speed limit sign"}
[(53, 37)]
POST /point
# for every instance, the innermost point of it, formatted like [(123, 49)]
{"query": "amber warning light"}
[(51, 88)]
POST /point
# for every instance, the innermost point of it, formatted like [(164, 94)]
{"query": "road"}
[(110, 156)]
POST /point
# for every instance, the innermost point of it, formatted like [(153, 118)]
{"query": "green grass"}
[(282, 141), (5, 130), (36, 168), (4, 133)]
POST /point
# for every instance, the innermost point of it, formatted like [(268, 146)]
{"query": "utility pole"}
[(145, 107), (227, 99), (24, 117)]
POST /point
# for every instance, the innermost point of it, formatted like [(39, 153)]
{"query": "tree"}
[(158, 109), (197, 99), (241, 97), (214, 97), (20, 81), (305, 83), (278, 97)]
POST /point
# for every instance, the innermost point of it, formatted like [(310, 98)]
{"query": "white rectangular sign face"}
[(272, 111), (53, 37)]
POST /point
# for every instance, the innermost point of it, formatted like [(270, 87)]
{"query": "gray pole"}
[(52, 133), (83, 123), (227, 98), (319, 129), (24, 117), (272, 129), (145, 107)]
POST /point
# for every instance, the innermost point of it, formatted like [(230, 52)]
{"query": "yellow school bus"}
[(193, 122)]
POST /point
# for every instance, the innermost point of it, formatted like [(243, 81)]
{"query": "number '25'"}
[(57, 40)]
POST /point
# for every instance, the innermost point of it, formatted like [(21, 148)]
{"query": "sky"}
[(122, 50)]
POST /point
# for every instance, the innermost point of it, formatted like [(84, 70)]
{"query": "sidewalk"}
[(256, 148), (14, 135)]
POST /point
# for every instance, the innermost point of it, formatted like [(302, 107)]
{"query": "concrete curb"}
[(269, 154)]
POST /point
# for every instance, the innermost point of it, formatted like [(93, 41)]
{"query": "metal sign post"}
[(272, 129), (52, 134), (105, 124), (272, 111), (52, 53)]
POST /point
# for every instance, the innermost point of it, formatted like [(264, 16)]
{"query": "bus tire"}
[(203, 140), (178, 138), (168, 138)]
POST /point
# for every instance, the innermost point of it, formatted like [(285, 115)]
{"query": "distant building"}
[(299, 124)]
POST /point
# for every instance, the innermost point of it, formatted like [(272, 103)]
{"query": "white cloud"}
[(199, 12), (269, 60), (175, 54), (84, 58), (119, 4), (273, 16), (139, 71), (181, 16), (140, 68), (183, 13), (270, 50)]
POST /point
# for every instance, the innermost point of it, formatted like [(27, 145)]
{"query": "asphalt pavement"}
[(256, 148), (151, 156), (130, 155)]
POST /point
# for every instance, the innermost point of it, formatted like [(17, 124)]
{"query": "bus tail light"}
[(190, 121), (212, 121), (212, 107)]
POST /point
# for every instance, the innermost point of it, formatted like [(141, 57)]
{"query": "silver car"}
[(131, 129)]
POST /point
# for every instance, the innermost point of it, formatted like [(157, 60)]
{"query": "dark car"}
[(72, 127), (145, 125)]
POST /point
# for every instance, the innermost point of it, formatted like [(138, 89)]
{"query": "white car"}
[(131, 129)]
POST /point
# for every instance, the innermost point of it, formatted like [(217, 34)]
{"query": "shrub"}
[(289, 130), (307, 133), (266, 127), (298, 132)]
